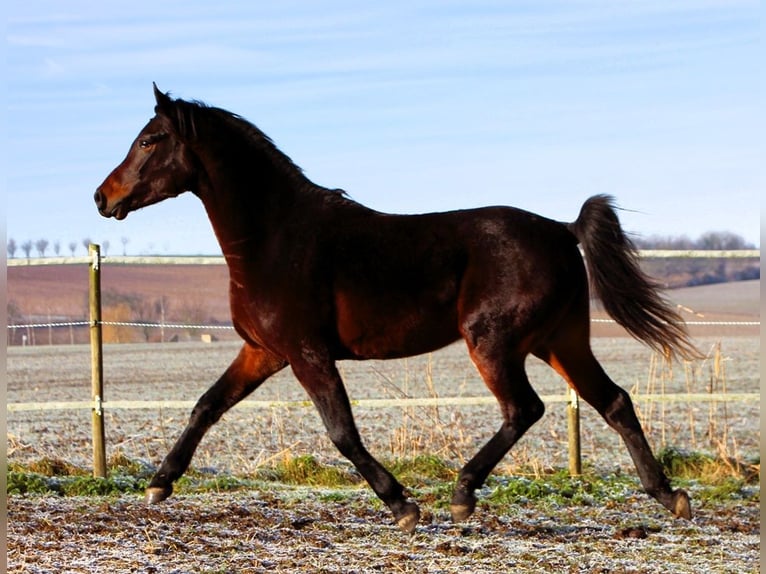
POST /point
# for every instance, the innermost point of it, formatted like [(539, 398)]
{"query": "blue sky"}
[(408, 106)]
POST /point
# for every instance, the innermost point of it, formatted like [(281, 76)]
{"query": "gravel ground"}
[(283, 530)]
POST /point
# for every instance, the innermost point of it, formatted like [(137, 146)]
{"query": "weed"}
[(20, 482), (423, 469), (195, 483), (29, 483), (307, 470), (48, 467), (119, 463), (709, 469)]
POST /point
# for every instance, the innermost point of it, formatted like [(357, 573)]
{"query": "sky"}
[(410, 107)]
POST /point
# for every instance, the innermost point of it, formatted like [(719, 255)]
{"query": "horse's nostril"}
[(98, 197)]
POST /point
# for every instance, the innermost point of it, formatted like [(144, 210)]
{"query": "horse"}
[(315, 277)]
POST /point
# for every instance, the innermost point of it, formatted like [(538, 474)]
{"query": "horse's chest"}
[(272, 317)]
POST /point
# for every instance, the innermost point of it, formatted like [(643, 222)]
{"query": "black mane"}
[(189, 114)]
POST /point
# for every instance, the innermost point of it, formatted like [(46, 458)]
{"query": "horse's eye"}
[(143, 144)]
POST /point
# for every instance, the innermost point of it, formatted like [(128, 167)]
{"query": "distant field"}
[(62, 289), (41, 293)]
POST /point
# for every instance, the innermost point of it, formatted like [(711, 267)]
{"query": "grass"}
[(715, 478), (431, 481), (560, 489), (53, 476), (307, 470)]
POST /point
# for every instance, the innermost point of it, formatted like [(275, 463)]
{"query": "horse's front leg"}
[(252, 366), (325, 387)]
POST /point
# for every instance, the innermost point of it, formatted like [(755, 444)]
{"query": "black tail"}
[(629, 296)]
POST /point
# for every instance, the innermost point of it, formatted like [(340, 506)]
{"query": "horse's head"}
[(158, 165)]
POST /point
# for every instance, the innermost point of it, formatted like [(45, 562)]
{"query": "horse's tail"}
[(629, 296)]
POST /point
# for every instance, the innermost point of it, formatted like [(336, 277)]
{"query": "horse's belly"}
[(381, 333)]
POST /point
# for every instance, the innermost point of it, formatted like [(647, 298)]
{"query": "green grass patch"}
[(430, 478), (54, 476), (199, 483), (27, 482), (560, 489)]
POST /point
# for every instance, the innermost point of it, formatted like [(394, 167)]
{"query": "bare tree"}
[(721, 240), (57, 247), (86, 244), (725, 240), (125, 241), (72, 247), (12, 247), (41, 245), (664, 242), (105, 245), (26, 247)]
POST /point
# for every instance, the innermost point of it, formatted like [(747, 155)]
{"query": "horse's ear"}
[(163, 100)]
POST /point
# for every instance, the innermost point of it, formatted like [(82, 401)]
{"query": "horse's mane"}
[(190, 113)]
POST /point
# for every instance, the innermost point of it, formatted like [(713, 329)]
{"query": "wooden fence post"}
[(573, 428), (96, 362)]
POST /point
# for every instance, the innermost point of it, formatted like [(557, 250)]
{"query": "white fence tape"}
[(374, 403)]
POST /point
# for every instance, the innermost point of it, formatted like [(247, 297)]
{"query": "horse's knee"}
[(536, 411), (347, 441), (203, 415), (520, 417)]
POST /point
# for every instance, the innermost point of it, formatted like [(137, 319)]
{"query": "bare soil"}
[(297, 531)]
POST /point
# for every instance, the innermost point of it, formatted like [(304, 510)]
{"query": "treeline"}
[(711, 240), (45, 248), (687, 272), (708, 241)]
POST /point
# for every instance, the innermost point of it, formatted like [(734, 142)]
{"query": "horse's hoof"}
[(461, 512), (682, 507), (155, 494), (409, 519), (463, 504)]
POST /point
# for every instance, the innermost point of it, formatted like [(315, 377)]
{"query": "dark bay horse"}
[(316, 277)]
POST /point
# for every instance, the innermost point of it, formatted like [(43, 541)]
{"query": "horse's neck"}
[(246, 212)]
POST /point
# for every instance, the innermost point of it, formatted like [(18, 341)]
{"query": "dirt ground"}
[(300, 530)]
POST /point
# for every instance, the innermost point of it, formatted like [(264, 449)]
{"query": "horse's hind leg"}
[(574, 360), (521, 408), (252, 366)]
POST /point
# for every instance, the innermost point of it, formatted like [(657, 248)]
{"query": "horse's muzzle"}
[(115, 210)]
